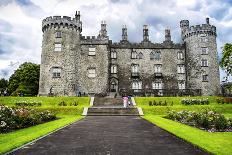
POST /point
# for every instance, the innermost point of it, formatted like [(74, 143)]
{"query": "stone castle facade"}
[(72, 63)]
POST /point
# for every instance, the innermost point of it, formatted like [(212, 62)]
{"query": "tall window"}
[(152, 56), (56, 72), (180, 69), (205, 78), (135, 68), (140, 55), (58, 34), (204, 39), (113, 69), (204, 63), (113, 54), (158, 68), (133, 55), (137, 85), (157, 85), (157, 55), (57, 47), (92, 72), (181, 84), (180, 55), (204, 50), (92, 51)]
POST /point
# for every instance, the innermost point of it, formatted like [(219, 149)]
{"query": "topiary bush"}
[(187, 101)]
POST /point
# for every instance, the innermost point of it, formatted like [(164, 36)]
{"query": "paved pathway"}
[(110, 135)]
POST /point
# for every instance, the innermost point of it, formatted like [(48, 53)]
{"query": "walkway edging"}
[(140, 111), (91, 101), (85, 111), (133, 101)]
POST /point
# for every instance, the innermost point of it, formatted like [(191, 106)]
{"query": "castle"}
[(94, 65)]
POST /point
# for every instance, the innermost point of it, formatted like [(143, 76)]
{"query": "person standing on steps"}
[(125, 100), (129, 100)]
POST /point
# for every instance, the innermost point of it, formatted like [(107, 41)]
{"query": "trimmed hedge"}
[(187, 101)]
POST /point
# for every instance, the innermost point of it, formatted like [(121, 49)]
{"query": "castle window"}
[(157, 55), (137, 85), (181, 84), (180, 69), (204, 63), (180, 55), (133, 55), (158, 68), (157, 85), (92, 73), (204, 78), (56, 72), (204, 50), (204, 39), (57, 47), (113, 54), (92, 51), (58, 34), (140, 55), (135, 68), (152, 56), (113, 69)]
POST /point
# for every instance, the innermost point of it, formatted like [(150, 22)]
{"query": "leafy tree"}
[(3, 85), (226, 61), (25, 80)]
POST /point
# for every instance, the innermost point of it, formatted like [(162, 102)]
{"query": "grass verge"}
[(12, 140), (216, 143)]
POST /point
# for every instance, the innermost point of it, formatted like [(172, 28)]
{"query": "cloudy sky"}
[(20, 22)]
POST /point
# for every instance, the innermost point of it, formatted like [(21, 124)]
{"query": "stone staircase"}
[(111, 107)]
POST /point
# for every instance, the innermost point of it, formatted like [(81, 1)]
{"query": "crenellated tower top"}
[(65, 21), (188, 31)]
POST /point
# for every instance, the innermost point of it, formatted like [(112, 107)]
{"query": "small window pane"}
[(56, 72), (91, 73), (57, 47), (92, 51), (58, 34)]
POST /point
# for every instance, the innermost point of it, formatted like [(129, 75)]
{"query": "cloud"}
[(20, 22)]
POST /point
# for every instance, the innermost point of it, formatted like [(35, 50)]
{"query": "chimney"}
[(167, 35), (207, 20), (124, 33), (145, 33)]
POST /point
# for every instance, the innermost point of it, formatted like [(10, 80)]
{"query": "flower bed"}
[(224, 100), (207, 119), (195, 101), (17, 118)]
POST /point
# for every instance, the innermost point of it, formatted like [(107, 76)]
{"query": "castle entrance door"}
[(113, 86)]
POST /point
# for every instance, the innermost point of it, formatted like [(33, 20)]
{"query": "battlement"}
[(206, 29), (58, 21), (93, 40)]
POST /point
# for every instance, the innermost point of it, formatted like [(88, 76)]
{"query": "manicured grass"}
[(216, 143), (17, 138), (143, 102), (67, 115)]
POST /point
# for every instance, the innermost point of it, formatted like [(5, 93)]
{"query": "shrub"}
[(62, 103), (206, 119), (75, 103), (228, 100), (195, 101), (16, 118), (28, 103), (150, 103)]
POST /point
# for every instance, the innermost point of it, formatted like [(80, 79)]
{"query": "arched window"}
[(180, 55), (137, 85), (113, 69), (157, 55), (152, 56), (135, 68), (113, 54), (140, 55), (133, 55)]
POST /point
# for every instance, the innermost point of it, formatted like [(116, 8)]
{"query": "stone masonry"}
[(72, 64)]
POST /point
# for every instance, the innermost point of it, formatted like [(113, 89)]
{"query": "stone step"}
[(112, 111), (100, 101)]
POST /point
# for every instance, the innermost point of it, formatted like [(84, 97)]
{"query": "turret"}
[(124, 33), (145, 33), (103, 31), (60, 46), (167, 35), (201, 57)]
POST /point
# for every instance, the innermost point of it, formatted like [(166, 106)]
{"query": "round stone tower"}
[(60, 45), (201, 57)]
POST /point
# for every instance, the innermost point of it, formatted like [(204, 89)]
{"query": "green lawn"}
[(66, 114), (216, 143)]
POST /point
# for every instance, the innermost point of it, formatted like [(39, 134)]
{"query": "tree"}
[(226, 61), (25, 80), (3, 85)]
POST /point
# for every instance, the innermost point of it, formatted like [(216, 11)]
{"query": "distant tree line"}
[(23, 82)]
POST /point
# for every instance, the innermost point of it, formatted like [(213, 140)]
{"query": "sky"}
[(21, 20)]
